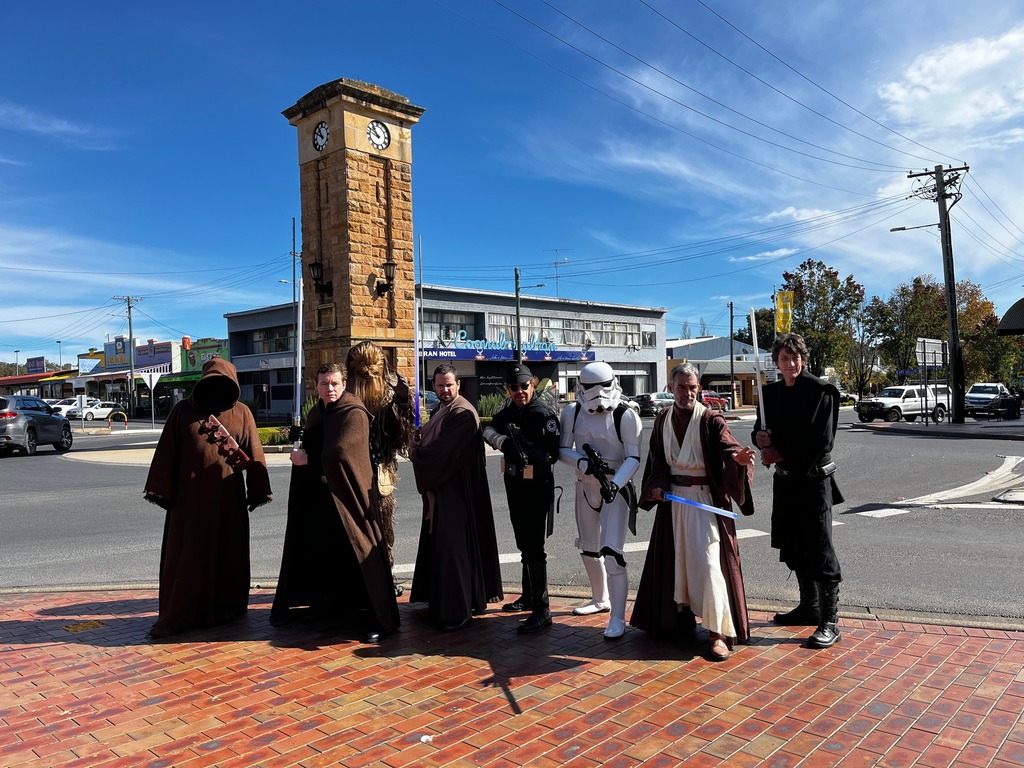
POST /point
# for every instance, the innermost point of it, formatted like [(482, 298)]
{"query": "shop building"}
[(476, 332)]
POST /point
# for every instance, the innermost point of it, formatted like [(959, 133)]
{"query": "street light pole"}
[(60, 358), (519, 322), (17, 365)]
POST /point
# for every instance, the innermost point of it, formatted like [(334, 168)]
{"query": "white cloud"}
[(14, 117)]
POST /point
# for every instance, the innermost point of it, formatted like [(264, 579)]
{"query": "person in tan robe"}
[(208, 473)]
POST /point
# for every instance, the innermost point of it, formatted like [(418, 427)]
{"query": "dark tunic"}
[(335, 561), (457, 569), (654, 610), (204, 558), (530, 499), (802, 420)]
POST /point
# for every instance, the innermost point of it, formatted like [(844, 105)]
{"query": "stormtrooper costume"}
[(601, 520)]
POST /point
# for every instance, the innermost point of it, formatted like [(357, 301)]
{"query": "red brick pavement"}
[(80, 686)]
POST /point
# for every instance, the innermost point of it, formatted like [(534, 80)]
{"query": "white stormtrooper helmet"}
[(599, 388)]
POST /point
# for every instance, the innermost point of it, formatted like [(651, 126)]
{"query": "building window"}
[(270, 340), (441, 328)]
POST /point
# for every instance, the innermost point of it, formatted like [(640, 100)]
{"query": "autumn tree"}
[(824, 307)]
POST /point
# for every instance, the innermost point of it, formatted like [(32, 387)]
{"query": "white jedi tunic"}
[(699, 582)]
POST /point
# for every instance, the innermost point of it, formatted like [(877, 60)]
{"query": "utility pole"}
[(131, 355), (944, 179), (732, 368), (297, 301), (519, 324)]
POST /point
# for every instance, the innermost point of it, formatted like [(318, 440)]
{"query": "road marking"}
[(996, 479), (886, 512)]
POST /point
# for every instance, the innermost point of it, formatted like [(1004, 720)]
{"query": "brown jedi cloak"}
[(654, 610), (457, 569), (361, 558), (204, 558)]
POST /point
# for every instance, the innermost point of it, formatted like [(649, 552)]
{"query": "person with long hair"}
[(386, 396)]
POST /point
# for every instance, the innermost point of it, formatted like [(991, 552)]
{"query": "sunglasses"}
[(518, 387)]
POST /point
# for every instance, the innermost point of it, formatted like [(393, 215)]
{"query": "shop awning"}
[(174, 379), (1012, 323), (62, 376)]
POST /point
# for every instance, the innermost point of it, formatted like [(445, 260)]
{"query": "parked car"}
[(846, 398), (651, 403), (100, 410), (632, 404), (984, 397), (26, 422), (65, 405), (905, 402), (712, 399)]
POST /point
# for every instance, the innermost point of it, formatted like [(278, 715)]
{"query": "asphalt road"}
[(79, 520)]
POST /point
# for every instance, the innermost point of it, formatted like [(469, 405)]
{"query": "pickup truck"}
[(905, 402)]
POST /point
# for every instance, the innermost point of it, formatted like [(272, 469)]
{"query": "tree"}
[(987, 357), (861, 357), (684, 332), (764, 319), (823, 311), (913, 310)]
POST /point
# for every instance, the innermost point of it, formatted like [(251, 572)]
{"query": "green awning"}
[(172, 379)]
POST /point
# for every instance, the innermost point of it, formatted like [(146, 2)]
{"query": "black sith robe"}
[(457, 569)]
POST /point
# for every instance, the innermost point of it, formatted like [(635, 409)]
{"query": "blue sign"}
[(505, 355)]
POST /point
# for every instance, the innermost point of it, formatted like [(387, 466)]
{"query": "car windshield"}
[(984, 390), (891, 392)]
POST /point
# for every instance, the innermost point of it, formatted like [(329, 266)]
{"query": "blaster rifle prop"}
[(706, 507), (598, 467), (523, 468)]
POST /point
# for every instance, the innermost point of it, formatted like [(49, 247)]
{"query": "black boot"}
[(827, 633), (808, 613), (520, 603), (540, 616)]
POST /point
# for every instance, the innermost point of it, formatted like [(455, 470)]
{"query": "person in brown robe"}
[(726, 475), (335, 562), (208, 473), (457, 570)]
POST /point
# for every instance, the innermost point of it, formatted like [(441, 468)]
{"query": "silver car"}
[(26, 422)]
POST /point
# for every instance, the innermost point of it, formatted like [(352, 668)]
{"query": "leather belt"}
[(688, 480)]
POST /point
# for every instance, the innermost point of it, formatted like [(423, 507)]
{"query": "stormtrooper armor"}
[(602, 518)]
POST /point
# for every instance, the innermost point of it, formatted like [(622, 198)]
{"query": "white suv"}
[(984, 396), (905, 402)]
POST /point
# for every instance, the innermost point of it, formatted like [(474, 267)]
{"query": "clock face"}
[(320, 135), (378, 134)]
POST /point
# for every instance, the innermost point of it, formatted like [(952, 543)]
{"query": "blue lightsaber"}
[(705, 507)]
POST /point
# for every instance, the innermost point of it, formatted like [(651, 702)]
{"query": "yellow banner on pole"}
[(783, 311)]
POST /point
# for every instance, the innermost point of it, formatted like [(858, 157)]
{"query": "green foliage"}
[(490, 404), (273, 435), (824, 308), (307, 407)]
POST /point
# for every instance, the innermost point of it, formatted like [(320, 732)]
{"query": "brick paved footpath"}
[(79, 686)]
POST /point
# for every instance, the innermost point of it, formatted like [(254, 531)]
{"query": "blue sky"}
[(651, 152)]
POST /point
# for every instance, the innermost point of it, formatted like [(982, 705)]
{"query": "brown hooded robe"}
[(654, 610), (457, 569), (335, 559), (204, 559)]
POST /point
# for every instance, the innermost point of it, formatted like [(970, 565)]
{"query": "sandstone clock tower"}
[(355, 178)]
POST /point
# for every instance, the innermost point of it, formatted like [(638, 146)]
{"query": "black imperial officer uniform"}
[(525, 430)]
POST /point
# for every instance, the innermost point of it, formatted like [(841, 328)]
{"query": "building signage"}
[(35, 365), (504, 355), (200, 352), (501, 349), (88, 364)]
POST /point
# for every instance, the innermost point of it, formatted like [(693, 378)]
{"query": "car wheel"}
[(939, 415), (863, 418), (893, 414), (66, 439), (29, 449), (88, 416)]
